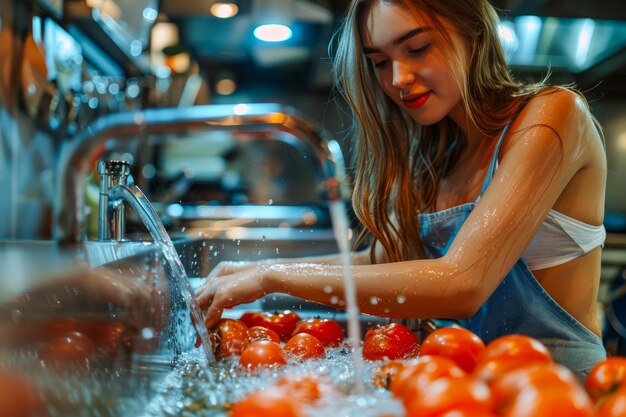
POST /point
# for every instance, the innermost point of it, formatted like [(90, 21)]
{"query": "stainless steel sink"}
[(127, 299)]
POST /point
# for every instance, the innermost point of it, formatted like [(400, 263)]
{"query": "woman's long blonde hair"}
[(398, 163)]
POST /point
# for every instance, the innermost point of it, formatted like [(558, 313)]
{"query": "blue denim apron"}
[(519, 304)]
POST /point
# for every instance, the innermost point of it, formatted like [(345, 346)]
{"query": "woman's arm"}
[(547, 145)]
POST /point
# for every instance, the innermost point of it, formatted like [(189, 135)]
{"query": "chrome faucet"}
[(115, 190), (111, 219), (69, 222)]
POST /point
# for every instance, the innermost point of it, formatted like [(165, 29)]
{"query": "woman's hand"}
[(231, 284), (232, 267)]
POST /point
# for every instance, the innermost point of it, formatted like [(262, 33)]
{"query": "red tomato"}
[(328, 332), (468, 412), (448, 393), (456, 343), (18, 396), (256, 333), (304, 389), (507, 353), (271, 402), (550, 401), (507, 386), (421, 372), (385, 373), (58, 327), (263, 353), (229, 337), (606, 377), (283, 322), (303, 346), (252, 318), (614, 405), (392, 341), (70, 347), (108, 336)]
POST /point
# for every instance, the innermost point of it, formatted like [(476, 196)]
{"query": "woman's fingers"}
[(205, 295), (212, 317)]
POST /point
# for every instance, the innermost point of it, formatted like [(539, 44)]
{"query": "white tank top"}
[(560, 239)]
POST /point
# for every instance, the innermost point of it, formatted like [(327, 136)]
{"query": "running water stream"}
[(340, 223), (140, 203)]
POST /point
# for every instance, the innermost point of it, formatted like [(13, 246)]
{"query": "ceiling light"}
[(224, 10), (273, 33)]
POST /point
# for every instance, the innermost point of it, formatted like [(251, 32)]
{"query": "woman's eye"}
[(381, 63), (419, 50)]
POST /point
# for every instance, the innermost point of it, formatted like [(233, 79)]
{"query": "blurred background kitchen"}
[(67, 63)]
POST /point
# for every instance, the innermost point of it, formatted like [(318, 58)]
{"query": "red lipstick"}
[(416, 101)]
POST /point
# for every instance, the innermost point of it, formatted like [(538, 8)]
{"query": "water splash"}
[(149, 217)]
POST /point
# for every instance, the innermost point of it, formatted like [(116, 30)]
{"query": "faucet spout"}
[(134, 197), (111, 220), (76, 155), (115, 190)]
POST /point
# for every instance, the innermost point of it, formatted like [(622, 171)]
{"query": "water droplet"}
[(270, 202), (374, 300), (334, 299), (263, 238), (277, 251), (401, 299), (147, 333), (328, 289)]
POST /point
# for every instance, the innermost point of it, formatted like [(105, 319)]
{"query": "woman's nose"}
[(403, 74)]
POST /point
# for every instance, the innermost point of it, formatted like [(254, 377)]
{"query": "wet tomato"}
[(305, 389), (550, 401), (68, 348), (108, 337), (392, 341), (457, 343), (229, 338), (468, 412), (57, 327), (19, 396), (448, 393), (421, 372), (540, 375), (614, 405), (256, 333), (606, 377), (384, 374), (303, 346), (263, 353), (328, 332), (271, 402), (252, 318), (282, 322), (507, 353)]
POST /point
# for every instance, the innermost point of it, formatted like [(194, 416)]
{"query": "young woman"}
[(483, 197)]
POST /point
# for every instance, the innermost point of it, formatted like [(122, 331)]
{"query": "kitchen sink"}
[(131, 303)]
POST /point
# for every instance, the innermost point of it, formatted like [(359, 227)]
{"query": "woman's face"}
[(409, 63)]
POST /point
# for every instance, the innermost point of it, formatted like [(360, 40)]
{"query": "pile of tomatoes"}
[(451, 373), (263, 339), (73, 343)]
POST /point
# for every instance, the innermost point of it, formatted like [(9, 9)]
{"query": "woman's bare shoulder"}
[(557, 107), (562, 113)]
